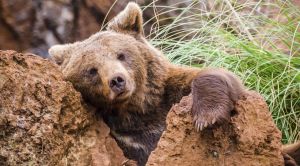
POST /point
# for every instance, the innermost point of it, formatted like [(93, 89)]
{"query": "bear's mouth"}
[(122, 95), (121, 98)]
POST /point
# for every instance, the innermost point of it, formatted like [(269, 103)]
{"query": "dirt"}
[(250, 139), (44, 121)]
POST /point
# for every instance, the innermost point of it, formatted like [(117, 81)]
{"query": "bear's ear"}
[(129, 21), (60, 53)]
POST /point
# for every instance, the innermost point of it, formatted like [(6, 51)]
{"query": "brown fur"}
[(291, 154), (153, 84), (215, 90)]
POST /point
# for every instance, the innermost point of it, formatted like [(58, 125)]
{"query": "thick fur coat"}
[(133, 85)]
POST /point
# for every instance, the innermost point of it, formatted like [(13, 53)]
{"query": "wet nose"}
[(117, 84)]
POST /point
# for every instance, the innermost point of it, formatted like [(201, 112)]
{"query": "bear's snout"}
[(117, 84)]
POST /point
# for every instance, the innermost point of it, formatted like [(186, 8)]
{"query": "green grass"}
[(262, 49)]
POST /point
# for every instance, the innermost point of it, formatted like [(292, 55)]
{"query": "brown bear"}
[(133, 85)]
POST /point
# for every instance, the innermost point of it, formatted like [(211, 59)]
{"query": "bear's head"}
[(111, 68)]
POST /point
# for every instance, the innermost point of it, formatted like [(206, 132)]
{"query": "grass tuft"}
[(258, 41)]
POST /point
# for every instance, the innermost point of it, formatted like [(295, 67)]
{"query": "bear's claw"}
[(200, 124), (215, 93), (203, 119)]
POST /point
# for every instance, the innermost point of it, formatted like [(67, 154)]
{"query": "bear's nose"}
[(117, 84)]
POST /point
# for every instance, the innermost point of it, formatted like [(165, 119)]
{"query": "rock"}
[(44, 121), (34, 26), (251, 138)]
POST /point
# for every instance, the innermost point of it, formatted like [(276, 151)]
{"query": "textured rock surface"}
[(251, 138), (43, 120)]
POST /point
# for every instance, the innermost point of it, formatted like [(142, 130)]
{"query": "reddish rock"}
[(44, 121), (251, 138)]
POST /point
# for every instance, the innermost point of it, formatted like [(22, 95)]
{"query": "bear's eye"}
[(121, 56), (93, 71)]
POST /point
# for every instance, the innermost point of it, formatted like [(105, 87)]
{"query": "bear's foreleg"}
[(291, 154), (215, 92)]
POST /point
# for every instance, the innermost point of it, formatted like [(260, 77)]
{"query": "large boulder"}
[(44, 121), (251, 138)]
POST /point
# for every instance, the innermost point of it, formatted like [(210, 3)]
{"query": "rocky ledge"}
[(44, 121)]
